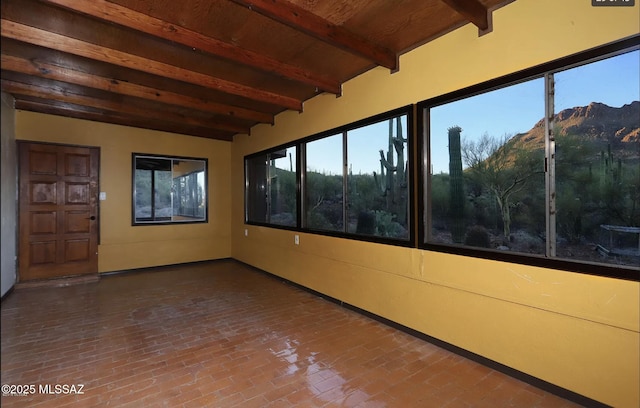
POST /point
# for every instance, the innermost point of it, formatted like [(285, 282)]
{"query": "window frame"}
[(300, 144), (424, 180), (169, 220), (267, 153)]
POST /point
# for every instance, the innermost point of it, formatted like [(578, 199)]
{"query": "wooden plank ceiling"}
[(207, 68)]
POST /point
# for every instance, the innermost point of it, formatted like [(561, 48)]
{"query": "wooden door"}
[(58, 211)]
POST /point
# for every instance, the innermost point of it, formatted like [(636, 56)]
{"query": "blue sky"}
[(516, 109), (363, 146), (508, 111)]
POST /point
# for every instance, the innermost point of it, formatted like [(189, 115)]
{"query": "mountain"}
[(598, 123)]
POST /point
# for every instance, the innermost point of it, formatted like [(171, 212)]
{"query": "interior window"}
[(169, 189)]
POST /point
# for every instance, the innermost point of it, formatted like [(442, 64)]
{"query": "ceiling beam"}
[(311, 24), (60, 94), (86, 113), (472, 10), (114, 13), (63, 74), (36, 36)]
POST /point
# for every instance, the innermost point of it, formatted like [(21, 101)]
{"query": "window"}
[(486, 170), (378, 179), (169, 189), (353, 181), (324, 187), (271, 187), (596, 129), (357, 179), (545, 163)]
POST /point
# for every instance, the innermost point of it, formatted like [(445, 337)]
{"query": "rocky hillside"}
[(598, 123)]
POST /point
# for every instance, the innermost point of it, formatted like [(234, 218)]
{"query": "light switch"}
[(103, 196)]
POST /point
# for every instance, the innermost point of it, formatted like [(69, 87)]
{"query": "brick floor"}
[(221, 334)]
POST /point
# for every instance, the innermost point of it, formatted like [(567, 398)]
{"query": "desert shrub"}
[(477, 236), (366, 223)]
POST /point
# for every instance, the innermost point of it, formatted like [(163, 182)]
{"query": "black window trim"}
[(619, 272)]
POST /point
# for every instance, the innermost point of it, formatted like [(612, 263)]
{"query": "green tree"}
[(503, 168), (324, 201)]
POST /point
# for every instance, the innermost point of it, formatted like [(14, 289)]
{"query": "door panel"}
[(77, 222), (42, 253), (58, 211), (43, 222)]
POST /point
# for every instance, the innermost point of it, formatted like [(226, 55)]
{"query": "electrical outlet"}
[(296, 239), (246, 232)]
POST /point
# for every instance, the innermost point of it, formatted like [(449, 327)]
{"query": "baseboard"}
[(7, 293), (162, 267), (58, 282)]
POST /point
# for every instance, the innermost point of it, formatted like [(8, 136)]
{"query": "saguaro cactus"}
[(608, 174), (456, 186), (393, 180)]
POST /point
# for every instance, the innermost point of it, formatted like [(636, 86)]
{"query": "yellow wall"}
[(577, 331), (121, 245)]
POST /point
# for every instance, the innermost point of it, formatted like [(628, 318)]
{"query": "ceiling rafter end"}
[(474, 11)]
